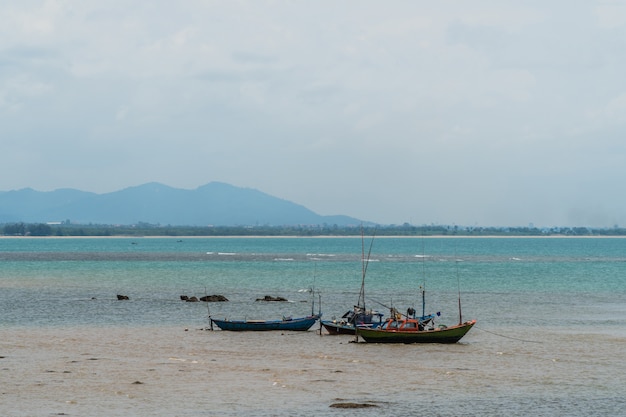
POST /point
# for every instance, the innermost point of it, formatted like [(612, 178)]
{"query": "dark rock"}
[(270, 298), (213, 298), (122, 297), (192, 300), (184, 298)]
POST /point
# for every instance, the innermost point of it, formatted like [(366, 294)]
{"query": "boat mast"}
[(208, 309), (364, 264), (313, 290), (361, 302), (423, 302), (458, 282), (424, 278)]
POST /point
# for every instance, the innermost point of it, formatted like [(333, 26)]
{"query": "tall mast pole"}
[(364, 264)]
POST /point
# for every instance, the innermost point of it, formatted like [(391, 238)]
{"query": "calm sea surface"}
[(550, 338)]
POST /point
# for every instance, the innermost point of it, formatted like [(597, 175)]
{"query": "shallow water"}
[(549, 340)]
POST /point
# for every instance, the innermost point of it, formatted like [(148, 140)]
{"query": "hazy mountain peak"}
[(215, 203)]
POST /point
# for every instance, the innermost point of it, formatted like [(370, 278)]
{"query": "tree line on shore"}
[(145, 229)]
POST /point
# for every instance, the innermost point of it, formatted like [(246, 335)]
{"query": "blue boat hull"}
[(300, 324)]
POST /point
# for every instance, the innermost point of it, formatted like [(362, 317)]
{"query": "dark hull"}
[(300, 324), (450, 334), (336, 328), (341, 328)]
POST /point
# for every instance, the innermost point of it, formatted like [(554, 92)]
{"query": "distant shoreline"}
[(297, 231), (321, 237)]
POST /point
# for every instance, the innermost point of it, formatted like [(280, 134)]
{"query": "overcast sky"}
[(488, 113)]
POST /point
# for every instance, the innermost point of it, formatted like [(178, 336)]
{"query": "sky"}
[(483, 113)]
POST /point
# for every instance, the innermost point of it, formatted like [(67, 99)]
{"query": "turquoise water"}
[(502, 281), (550, 336)]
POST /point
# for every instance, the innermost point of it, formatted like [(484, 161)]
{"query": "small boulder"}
[(270, 298), (213, 298)]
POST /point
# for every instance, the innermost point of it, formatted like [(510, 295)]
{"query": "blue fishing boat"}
[(287, 323), (301, 324)]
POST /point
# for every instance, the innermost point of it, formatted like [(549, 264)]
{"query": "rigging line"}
[(369, 252), (378, 302), (365, 264), (507, 337), (386, 306)]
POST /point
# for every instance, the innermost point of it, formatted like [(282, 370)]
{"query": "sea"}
[(550, 338)]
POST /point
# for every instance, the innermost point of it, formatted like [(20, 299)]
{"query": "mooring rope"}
[(508, 337)]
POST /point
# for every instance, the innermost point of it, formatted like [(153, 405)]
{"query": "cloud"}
[(485, 112)]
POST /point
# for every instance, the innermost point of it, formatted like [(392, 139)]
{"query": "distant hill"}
[(216, 203)]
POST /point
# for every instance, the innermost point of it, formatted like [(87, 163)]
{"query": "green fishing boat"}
[(412, 330)]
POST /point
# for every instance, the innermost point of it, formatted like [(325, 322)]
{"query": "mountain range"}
[(215, 203)]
